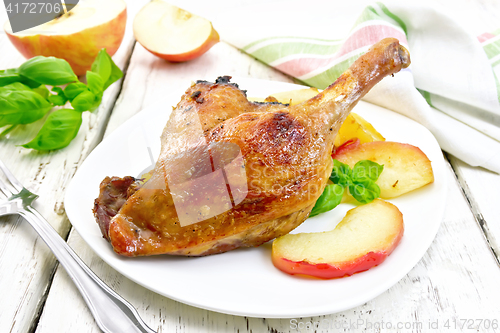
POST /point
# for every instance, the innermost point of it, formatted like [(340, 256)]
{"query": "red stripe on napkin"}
[(484, 37), (363, 37)]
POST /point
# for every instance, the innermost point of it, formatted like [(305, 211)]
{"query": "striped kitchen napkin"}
[(452, 86)]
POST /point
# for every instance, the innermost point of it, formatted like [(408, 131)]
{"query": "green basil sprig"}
[(106, 68), (48, 70), (360, 181), (58, 98), (9, 76), (42, 91), (58, 131), (24, 98), (19, 107), (15, 86), (364, 175), (329, 199), (12, 75), (95, 83), (83, 101), (74, 89)]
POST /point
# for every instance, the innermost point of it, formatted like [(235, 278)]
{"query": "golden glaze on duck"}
[(285, 152)]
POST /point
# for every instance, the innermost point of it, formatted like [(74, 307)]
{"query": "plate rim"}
[(355, 302)]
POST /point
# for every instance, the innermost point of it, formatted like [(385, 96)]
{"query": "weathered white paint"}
[(482, 189), (26, 264)]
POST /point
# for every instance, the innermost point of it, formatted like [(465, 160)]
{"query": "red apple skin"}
[(346, 147), (327, 271), (182, 57), (364, 238), (79, 49)]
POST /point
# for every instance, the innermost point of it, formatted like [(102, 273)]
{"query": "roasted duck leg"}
[(276, 161)]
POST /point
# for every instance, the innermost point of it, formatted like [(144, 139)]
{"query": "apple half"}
[(363, 239), (406, 167), (76, 36), (172, 33)]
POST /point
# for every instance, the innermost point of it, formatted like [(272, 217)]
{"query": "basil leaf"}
[(341, 173), (8, 130), (365, 192), (30, 83), (102, 65), (74, 89), (12, 75), (60, 128), (42, 91), (96, 104), (329, 199), (95, 83), (21, 107), (9, 76), (116, 73), (48, 70), (58, 91), (84, 101), (366, 170), (58, 99), (16, 86)]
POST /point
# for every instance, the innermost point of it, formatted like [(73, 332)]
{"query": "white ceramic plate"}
[(245, 282)]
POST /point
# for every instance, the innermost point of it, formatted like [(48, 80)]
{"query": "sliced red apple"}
[(76, 36), (172, 33), (363, 239), (406, 167)]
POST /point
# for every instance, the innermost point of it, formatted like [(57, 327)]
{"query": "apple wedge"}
[(406, 167), (363, 239), (356, 127), (172, 33), (76, 36)]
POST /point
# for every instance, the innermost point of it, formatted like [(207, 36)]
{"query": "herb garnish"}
[(360, 181), (24, 98)]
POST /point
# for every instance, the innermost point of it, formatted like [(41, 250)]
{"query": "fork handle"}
[(112, 313)]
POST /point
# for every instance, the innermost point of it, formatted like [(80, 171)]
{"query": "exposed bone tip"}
[(404, 55)]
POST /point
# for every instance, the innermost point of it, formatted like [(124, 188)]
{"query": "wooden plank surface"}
[(482, 190), (26, 263)]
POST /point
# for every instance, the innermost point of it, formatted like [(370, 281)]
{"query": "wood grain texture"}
[(23, 254), (482, 189)]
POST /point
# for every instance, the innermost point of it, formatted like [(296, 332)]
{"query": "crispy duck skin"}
[(114, 191), (286, 152)]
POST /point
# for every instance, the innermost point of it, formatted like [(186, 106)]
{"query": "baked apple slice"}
[(356, 127), (406, 167), (363, 239)]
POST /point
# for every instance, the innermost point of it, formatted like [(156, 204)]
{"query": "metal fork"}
[(112, 313)]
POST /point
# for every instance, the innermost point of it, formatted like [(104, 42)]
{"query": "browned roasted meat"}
[(113, 194), (273, 161)]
